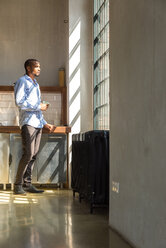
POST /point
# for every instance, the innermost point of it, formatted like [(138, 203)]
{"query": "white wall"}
[(33, 29), (138, 121), (80, 87), (80, 65)]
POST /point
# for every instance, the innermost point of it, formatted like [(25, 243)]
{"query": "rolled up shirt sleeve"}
[(44, 122)]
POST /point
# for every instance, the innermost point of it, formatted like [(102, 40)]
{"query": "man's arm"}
[(50, 127)]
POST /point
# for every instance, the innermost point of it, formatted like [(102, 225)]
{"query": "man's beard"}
[(37, 75)]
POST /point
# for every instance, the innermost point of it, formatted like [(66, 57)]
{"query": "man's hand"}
[(44, 106), (50, 127)]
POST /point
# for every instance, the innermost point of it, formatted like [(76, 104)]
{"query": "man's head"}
[(32, 67)]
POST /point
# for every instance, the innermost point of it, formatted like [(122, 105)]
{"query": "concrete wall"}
[(138, 121), (33, 29), (81, 13)]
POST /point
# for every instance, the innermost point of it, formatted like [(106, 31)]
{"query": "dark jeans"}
[(30, 142)]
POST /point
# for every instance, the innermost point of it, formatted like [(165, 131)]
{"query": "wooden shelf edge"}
[(16, 129), (49, 89)]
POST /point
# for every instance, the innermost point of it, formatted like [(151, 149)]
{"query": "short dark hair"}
[(30, 62)]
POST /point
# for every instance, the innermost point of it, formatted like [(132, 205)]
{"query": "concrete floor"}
[(53, 220)]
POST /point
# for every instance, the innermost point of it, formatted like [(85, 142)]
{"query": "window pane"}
[(101, 64)]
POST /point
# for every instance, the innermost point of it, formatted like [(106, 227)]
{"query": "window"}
[(101, 64)]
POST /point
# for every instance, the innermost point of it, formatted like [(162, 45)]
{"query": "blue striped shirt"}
[(28, 99)]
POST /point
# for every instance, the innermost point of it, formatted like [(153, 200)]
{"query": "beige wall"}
[(138, 121), (33, 29), (38, 29)]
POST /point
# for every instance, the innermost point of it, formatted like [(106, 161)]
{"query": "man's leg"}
[(27, 177), (28, 135)]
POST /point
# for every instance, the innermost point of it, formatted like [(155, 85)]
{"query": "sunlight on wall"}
[(74, 37), (74, 85), (74, 78), (74, 61), (74, 108), (74, 95)]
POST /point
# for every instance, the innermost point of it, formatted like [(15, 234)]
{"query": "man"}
[(31, 121)]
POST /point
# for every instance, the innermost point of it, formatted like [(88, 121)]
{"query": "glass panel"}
[(101, 64)]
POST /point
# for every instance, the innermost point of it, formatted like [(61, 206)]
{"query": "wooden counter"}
[(16, 129)]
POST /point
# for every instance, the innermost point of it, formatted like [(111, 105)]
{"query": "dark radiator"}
[(90, 167)]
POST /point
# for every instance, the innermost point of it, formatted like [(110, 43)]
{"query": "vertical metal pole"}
[(67, 175), (4, 186)]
